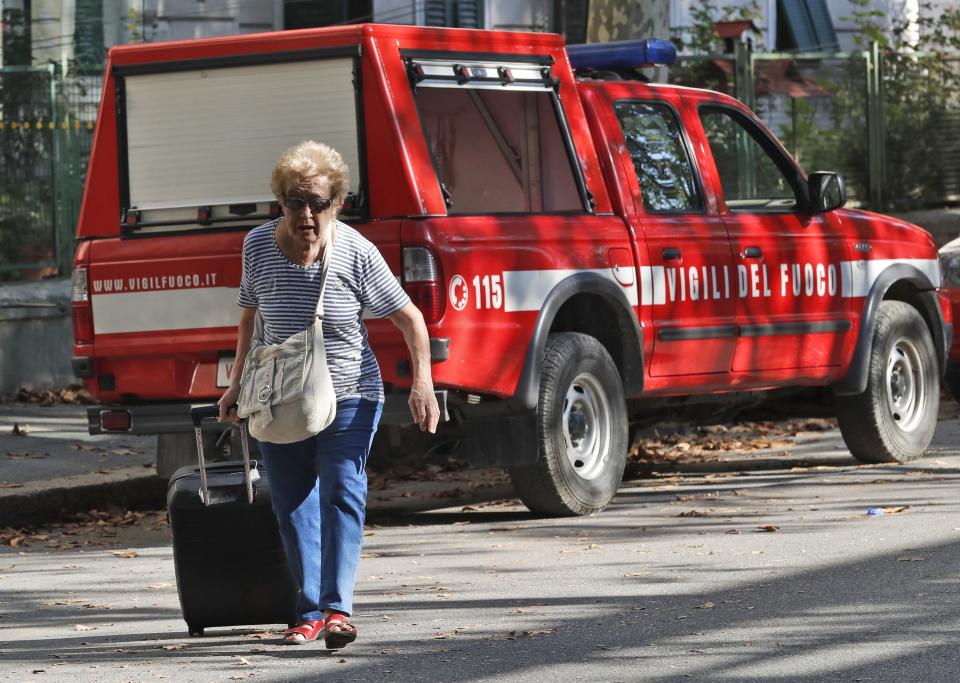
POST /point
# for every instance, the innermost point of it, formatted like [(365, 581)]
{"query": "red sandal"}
[(342, 633), (307, 630)]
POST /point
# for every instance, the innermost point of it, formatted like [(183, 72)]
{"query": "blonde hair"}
[(306, 160)]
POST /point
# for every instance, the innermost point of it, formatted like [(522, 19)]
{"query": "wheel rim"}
[(906, 387), (586, 426)]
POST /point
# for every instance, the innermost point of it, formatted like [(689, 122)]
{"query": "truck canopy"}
[(188, 131)]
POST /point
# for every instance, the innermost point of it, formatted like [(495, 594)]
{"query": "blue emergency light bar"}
[(623, 54)]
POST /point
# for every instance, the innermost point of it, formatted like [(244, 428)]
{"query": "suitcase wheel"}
[(195, 631)]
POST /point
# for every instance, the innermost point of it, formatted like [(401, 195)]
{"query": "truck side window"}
[(659, 156), (752, 179), (498, 151)]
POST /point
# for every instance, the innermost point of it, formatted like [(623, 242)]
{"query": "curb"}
[(39, 502)]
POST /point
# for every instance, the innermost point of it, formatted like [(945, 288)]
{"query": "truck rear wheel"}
[(581, 430), (893, 420)]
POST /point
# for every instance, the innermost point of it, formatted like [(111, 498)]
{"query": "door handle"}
[(751, 252), (670, 254)]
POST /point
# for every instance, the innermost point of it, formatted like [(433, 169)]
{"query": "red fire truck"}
[(583, 248)]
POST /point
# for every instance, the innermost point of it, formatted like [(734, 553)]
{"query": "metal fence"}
[(47, 120), (881, 119)]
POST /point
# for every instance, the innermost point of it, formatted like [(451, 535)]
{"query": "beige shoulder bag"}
[(286, 392)]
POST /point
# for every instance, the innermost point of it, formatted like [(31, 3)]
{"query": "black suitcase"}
[(230, 565)]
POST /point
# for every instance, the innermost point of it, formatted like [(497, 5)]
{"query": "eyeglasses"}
[(317, 205)]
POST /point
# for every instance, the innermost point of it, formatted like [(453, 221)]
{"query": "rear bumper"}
[(174, 418)]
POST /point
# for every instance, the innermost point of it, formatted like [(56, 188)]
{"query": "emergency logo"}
[(459, 292)]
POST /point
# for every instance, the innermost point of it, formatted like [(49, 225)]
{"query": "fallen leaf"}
[(175, 646), (125, 553), (20, 430), (768, 527), (82, 627), (910, 558), (261, 635), (707, 605), (694, 513), (244, 661), (895, 509), (732, 531)]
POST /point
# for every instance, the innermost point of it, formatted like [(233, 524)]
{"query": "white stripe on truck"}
[(858, 277), (526, 290), (179, 309)]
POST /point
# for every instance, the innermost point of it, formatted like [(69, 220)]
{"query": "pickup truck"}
[(583, 248)]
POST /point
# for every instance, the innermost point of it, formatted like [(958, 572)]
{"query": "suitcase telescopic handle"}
[(200, 413)]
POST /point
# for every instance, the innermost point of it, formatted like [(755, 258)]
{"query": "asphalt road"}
[(732, 574)]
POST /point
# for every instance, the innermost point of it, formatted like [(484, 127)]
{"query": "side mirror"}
[(827, 191)]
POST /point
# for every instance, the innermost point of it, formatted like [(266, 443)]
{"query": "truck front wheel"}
[(581, 430), (893, 420)]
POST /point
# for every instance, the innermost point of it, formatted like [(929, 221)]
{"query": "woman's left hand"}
[(423, 405)]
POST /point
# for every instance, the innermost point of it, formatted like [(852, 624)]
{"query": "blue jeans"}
[(319, 491)]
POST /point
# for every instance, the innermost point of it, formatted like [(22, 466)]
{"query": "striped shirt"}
[(358, 282)]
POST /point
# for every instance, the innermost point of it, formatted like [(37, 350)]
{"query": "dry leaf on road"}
[(708, 605), (910, 558), (26, 455), (768, 527), (175, 646), (125, 553)]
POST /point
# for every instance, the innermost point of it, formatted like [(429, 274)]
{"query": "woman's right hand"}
[(228, 405)]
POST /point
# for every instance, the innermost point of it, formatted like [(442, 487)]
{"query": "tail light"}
[(115, 420), (423, 282), (82, 312)]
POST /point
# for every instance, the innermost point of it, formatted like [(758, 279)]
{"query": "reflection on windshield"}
[(661, 162)]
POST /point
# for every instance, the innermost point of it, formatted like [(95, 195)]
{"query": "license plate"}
[(224, 367)]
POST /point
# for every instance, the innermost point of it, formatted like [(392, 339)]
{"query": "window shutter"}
[(436, 13), (468, 14), (809, 24), (457, 13)]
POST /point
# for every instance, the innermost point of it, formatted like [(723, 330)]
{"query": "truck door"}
[(790, 312), (690, 282)]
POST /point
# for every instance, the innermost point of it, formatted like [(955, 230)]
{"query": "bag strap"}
[(325, 266)]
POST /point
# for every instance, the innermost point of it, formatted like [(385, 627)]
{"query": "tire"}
[(893, 420), (580, 388)]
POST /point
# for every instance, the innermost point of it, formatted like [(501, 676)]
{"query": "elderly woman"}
[(319, 485)]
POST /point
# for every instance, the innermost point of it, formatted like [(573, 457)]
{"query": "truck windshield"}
[(499, 150), (205, 139)]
